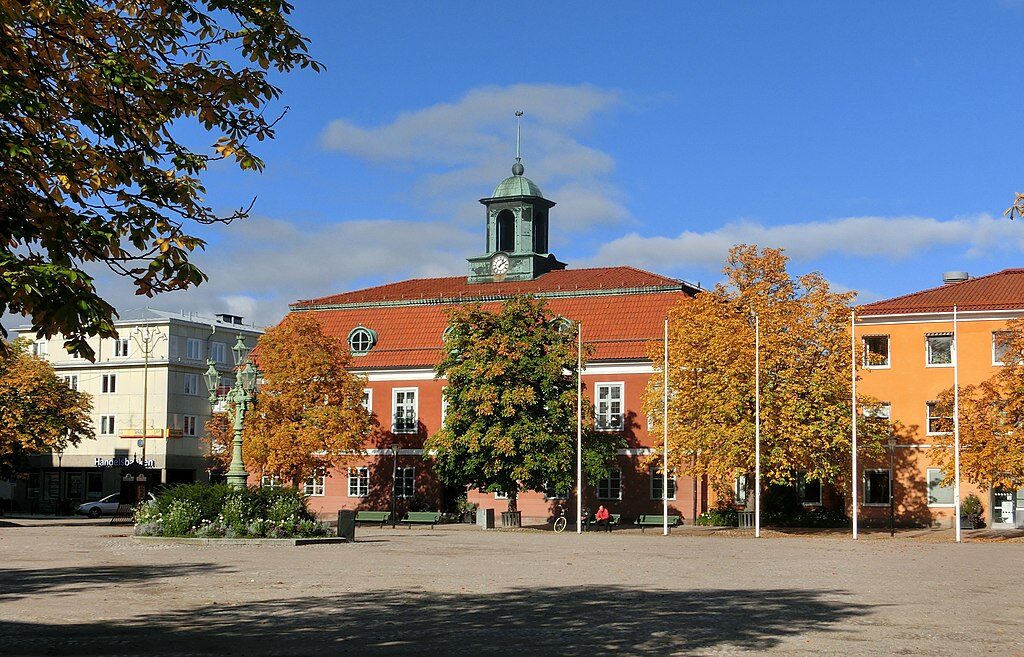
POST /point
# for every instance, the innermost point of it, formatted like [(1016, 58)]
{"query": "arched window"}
[(506, 231), (540, 232), (562, 324), (361, 340)]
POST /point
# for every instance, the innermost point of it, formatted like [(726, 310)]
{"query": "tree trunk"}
[(513, 499)]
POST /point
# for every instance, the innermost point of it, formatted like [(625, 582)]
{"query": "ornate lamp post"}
[(236, 401)]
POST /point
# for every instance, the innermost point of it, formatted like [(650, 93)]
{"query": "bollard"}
[(347, 525)]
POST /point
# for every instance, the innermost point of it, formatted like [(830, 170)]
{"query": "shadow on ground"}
[(547, 621), (20, 582)]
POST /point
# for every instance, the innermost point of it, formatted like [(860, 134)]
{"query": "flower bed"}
[(219, 511)]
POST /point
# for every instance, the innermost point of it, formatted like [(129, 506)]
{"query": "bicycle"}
[(560, 522)]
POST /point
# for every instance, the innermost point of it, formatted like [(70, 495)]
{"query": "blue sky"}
[(876, 142)]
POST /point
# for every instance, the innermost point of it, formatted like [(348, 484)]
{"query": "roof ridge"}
[(943, 286)]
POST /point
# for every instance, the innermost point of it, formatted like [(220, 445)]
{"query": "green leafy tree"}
[(38, 411), (92, 94), (511, 423)]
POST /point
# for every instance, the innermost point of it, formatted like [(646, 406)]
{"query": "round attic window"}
[(361, 340)]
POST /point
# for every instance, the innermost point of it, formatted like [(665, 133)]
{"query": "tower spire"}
[(517, 168)]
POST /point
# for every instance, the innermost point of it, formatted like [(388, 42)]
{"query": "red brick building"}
[(395, 334)]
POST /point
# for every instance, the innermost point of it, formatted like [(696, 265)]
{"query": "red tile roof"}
[(618, 323), (457, 288), (1003, 290)]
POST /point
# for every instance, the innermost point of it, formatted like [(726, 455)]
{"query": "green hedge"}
[(220, 511)]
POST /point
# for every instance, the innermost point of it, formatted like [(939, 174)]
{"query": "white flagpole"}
[(664, 426), (853, 416), (757, 426), (579, 428), (956, 427)]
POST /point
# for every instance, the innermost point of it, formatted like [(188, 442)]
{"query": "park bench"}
[(613, 521), (645, 521), (422, 518), (377, 517)]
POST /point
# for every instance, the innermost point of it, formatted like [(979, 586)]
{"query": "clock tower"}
[(517, 231)]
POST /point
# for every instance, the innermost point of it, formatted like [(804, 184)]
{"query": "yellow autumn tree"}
[(805, 376), (38, 411), (991, 422), (308, 414)]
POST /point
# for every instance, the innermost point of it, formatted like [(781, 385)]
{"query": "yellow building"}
[(908, 362)]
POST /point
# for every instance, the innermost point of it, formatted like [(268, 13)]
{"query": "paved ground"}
[(76, 587)]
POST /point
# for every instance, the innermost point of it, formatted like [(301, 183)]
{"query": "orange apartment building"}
[(908, 361), (395, 333)]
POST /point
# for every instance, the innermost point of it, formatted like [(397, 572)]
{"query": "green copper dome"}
[(517, 184)]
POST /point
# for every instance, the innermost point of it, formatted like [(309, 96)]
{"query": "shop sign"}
[(121, 462)]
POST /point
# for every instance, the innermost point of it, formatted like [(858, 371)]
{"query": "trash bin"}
[(347, 525), (746, 519), (511, 518)]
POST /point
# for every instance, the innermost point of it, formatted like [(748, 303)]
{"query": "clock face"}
[(499, 264)]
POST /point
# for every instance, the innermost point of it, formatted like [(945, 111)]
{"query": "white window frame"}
[(604, 423), (604, 486), (739, 489), (122, 347), (928, 493), (928, 420), (108, 425), (270, 481), (190, 384), (415, 410), (928, 350), (444, 405), (888, 351), (40, 348), (995, 360), (802, 490), (360, 477), (865, 498), (193, 349), (71, 380), (368, 400), (218, 352), (315, 486), (500, 495), (883, 411), (188, 425), (108, 384), (405, 474), (553, 494), (658, 478)]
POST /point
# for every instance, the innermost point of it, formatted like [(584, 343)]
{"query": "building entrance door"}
[(1003, 507)]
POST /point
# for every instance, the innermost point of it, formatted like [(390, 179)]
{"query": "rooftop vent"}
[(230, 319), (950, 277)]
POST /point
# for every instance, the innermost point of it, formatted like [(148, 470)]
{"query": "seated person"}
[(603, 517)]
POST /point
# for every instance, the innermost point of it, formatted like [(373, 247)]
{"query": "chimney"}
[(950, 277)]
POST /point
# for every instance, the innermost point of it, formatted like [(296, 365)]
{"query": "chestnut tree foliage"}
[(991, 422), (511, 398), (39, 412), (92, 95), (309, 414), (805, 377)]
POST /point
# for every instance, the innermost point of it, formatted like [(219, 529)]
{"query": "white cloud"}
[(268, 263), (468, 146), (890, 238)]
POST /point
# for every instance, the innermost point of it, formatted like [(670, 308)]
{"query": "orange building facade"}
[(395, 334), (908, 362)]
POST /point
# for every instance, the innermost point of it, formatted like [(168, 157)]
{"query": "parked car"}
[(104, 507)]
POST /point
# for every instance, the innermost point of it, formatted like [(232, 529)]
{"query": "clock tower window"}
[(506, 224)]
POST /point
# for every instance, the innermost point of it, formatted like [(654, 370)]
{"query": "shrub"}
[(720, 517), (216, 511)]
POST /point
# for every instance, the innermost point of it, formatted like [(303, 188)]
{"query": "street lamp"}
[(892, 498), (394, 479), (236, 402)]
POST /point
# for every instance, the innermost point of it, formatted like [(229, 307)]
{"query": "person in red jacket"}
[(602, 517)]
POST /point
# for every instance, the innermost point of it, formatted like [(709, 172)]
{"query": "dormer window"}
[(361, 340)]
